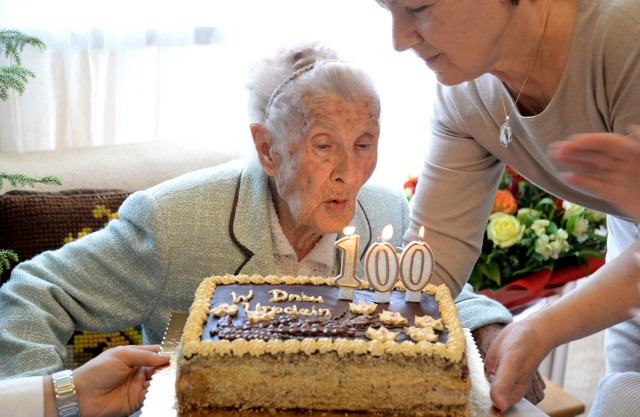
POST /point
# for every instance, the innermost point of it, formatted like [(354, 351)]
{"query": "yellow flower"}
[(504, 230)]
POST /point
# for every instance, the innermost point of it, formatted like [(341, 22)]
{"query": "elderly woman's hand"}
[(485, 337), (604, 164), (512, 363)]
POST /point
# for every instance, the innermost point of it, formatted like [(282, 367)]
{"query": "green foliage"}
[(20, 180), (15, 76), (6, 257), (12, 42)]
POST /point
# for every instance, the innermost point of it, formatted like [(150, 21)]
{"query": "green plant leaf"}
[(6, 257), (12, 42), (14, 76), (21, 180)]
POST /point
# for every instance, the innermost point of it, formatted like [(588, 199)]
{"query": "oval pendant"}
[(505, 134)]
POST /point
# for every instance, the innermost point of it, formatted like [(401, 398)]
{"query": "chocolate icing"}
[(341, 324)]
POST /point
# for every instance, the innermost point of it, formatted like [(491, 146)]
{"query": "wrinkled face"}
[(318, 175), (458, 39)]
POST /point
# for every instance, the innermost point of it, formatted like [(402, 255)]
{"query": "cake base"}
[(351, 382)]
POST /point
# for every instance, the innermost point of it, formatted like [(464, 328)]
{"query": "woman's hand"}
[(512, 362), (604, 164), (485, 337), (115, 382)]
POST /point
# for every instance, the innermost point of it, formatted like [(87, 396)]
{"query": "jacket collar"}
[(249, 221)]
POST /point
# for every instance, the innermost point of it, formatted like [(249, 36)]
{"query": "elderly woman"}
[(314, 122), (514, 77), (315, 129)]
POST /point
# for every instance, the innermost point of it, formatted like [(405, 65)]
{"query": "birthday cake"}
[(275, 343)]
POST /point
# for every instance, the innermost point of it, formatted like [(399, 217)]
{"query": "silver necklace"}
[(506, 133)]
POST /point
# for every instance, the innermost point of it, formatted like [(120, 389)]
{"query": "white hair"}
[(278, 84)]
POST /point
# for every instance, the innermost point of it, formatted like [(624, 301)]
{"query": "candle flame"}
[(421, 232), (387, 232), (349, 230)]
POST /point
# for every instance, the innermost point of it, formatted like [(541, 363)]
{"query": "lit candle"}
[(347, 280), (417, 265), (381, 266)]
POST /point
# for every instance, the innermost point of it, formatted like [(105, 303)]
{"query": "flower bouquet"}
[(535, 243)]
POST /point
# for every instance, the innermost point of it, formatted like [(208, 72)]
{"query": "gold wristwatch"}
[(65, 392)]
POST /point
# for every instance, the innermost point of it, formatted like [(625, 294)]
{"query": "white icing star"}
[(382, 334), (428, 321), (223, 309), (419, 334), (392, 317), (362, 307)]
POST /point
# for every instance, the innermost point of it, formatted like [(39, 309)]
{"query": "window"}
[(130, 71)]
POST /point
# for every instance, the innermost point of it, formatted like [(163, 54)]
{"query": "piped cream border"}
[(452, 350)]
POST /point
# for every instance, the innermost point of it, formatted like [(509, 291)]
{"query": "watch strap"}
[(65, 392)]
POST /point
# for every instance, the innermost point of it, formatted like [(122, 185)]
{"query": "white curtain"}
[(140, 70)]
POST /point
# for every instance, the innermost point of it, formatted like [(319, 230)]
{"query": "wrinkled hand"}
[(485, 337), (115, 382), (604, 164), (512, 362)]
